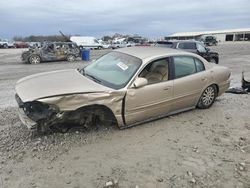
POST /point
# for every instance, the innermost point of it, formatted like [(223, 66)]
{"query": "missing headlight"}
[(39, 111)]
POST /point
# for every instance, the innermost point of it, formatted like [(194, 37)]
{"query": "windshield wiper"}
[(93, 78)]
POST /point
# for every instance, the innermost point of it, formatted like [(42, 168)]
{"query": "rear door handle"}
[(204, 79)]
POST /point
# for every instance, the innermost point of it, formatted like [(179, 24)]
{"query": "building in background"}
[(221, 35)]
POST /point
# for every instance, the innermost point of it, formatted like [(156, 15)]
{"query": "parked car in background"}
[(125, 87), (86, 42), (11, 44), (3, 43), (35, 44), (122, 44), (106, 45), (52, 51), (210, 41), (119, 44), (20, 44), (191, 46)]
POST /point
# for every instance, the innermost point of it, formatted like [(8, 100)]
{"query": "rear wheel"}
[(208, 97), (71, 58), (34, 59)]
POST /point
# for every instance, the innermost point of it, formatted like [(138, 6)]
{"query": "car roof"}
[(151, 52)]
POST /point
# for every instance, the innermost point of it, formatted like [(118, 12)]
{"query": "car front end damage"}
[(73, 110), (35, 113), (25, 56)]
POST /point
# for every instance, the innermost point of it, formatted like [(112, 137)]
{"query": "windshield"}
[(113, 69)]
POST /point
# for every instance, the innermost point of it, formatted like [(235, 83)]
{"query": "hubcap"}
[(208, 96), (70, 58), (35, 60)]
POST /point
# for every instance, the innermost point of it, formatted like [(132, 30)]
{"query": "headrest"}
[(161, 69)]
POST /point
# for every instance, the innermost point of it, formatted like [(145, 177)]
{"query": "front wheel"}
[(208, 97), (34, 59)]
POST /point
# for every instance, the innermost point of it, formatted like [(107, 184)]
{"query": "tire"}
[(71, 58), (34, 59), (213, 60), (208, 97), (5, 46)]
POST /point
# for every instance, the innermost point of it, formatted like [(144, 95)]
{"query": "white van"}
[(86, 42)]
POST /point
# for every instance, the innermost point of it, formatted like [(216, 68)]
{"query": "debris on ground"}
[(236, 90), (111, 184), (244, 89)]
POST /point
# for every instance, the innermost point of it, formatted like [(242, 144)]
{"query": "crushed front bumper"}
[(26, 120)]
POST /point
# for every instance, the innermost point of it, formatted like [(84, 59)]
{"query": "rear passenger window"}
[(199, 65), (184, 66), (187, 45)]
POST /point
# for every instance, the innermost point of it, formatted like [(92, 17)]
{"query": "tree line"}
[(65, 38), (33, 38)]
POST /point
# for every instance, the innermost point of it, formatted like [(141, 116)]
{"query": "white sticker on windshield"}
[(122, 66)]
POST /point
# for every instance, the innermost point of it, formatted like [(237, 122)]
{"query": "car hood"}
[(56, 83)]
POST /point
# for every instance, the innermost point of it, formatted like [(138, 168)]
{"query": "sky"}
[(148, 18)]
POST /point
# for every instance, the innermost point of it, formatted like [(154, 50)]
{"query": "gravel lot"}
[(199, 148)]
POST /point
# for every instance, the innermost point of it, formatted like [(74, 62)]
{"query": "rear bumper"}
[(223, 87), (29, 123)]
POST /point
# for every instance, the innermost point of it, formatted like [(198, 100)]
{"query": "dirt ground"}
[(198, 148)]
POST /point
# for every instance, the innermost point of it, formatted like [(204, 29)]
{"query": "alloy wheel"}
[(208, 96), (35, 60)]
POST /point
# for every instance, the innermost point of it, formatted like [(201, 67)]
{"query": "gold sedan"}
[(126, 87)]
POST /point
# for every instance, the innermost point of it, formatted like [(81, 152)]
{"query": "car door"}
[(60, 51), (190, 79), (48, 53), (153, 99)]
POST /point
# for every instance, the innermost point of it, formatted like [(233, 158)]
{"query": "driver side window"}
[(156, 71)]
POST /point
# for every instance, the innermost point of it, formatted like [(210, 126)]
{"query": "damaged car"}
[(125, 87), (51, 51)]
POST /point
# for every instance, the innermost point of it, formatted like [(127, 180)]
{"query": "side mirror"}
[(140, 82)]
